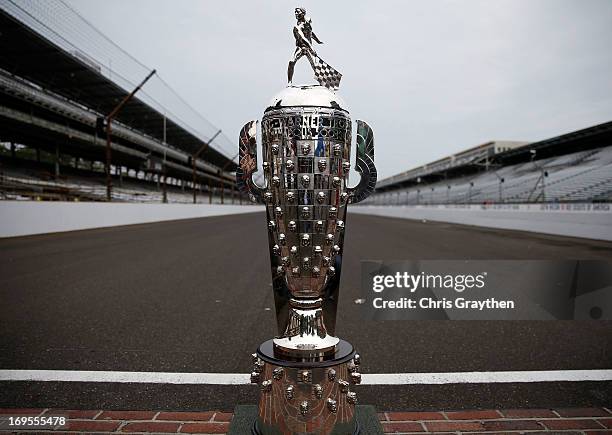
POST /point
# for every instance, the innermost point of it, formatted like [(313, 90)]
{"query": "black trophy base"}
[(245, 420), (344, 352)]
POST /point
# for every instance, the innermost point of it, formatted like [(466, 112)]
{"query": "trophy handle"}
[(248, 162), (364, 164)]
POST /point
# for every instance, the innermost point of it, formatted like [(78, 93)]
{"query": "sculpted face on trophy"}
[(306, 142)]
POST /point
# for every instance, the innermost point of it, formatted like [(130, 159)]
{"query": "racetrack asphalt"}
[(195, 296)]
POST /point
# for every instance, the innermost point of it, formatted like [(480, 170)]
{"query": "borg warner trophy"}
[(306, 373)]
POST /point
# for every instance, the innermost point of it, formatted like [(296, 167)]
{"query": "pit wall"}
[(21, 218), (591, 221)]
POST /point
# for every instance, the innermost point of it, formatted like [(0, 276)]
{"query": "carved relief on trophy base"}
[(307, 397)]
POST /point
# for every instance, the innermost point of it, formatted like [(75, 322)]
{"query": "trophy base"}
[(306, 395)]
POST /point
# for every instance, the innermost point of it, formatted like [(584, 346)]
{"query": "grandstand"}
[(57, 89), (576, 167), (25, 181)]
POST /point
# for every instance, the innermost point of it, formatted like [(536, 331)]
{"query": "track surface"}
[(195, 296)]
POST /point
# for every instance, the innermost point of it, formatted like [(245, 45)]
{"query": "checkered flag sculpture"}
[(325, 74)]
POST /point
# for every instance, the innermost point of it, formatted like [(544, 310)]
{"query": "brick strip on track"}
[(585, 421)]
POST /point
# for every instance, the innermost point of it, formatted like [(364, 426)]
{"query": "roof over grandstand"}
[(588, 138), (27, 54)]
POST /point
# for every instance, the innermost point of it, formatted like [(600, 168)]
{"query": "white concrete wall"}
[(591, 221), (20, 218)]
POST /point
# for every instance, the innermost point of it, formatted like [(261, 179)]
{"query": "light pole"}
[(221, 175), (543, 174), (108, 119), (193, 163), (501, 181)]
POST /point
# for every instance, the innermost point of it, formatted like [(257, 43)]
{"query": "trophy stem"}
[(306, 336)]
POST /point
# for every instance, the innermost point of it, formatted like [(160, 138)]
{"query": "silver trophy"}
[(306, 372)]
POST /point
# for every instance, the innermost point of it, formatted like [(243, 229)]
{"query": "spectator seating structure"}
[(578, 177)]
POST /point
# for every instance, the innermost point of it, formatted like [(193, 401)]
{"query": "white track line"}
[(487, 377), (125, 377), (368, 379)]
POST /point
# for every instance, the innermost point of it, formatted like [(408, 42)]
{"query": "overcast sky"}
[(430, 77)]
